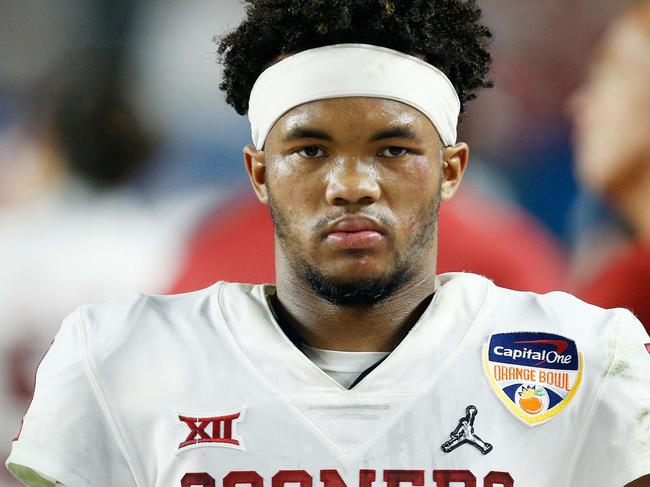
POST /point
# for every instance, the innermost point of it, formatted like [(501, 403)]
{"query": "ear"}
[(256, 169), (454, 162)]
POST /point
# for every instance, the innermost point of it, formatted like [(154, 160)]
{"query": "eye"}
[(393, 151), (311, 152)]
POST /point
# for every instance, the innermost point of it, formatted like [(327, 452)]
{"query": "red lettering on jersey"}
[(394, 478), (291, 476), (197, 479), (221, 430), (498, 478), (443, 478), (332, 478), (243, 477), (647, 347), (366, 478)]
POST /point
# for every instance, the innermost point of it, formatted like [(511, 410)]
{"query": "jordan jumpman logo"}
[(464, 433)]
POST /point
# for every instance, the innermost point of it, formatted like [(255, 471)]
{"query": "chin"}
[(355, 265), (357, 289)]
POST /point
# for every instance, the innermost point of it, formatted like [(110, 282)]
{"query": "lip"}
[(356, 232)]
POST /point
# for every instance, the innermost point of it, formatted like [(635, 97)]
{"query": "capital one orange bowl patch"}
[(534, 374)]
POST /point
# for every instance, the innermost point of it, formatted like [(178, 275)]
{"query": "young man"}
[(612, 120), (360, 367)]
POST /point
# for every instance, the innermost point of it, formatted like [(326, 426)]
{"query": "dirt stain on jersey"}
[(611, 353), (620, 367), (643, 419)]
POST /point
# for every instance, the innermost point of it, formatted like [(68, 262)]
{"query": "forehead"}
[(360, 115)]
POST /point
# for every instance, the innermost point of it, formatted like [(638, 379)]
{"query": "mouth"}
[(357, 232)]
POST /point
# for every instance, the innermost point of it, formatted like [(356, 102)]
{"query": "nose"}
[(353, 182)]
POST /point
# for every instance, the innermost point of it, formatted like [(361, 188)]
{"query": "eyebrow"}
[(307, 133), (403, 131)]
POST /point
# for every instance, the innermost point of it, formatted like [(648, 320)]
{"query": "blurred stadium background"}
[(121, 170)]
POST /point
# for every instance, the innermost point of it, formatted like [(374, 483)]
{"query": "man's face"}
[(354, 186), (612, 111)]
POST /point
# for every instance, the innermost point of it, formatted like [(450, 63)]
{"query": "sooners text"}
[(331, 478)]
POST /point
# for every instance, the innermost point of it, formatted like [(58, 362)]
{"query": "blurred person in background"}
[(73, 227), (611, 112), (519, 130)]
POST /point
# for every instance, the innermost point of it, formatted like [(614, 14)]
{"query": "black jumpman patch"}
[(464, 433)]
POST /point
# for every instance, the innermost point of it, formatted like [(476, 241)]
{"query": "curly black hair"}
[(445, 33)]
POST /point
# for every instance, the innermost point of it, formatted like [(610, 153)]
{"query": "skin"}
[(642, 482), (611, 113), (351, 164)]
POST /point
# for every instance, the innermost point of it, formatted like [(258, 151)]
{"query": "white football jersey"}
[(490, 388)]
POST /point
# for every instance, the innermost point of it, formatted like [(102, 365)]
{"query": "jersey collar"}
[(416, 360)]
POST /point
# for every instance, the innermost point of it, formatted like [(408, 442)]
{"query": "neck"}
[(376, 328), (632, 202)]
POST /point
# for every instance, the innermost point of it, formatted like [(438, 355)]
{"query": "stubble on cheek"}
[(289, 228), (422, 228), (279, 169), (420, 234)]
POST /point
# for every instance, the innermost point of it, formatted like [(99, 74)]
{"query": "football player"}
[(360, 366)]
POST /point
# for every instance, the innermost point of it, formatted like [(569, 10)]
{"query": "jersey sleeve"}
[(66, 434), (615, 448)]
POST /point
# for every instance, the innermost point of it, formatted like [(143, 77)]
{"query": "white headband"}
[(345, 70)]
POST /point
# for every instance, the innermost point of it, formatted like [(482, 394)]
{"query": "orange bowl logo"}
[(534, 374), (533, 399)]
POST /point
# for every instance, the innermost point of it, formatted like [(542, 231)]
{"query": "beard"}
[(361, 291)]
